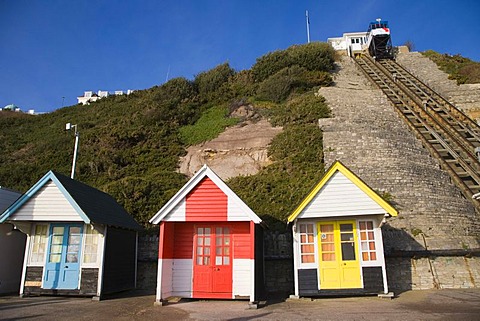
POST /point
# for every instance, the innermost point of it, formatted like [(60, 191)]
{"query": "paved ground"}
[(455, 305)]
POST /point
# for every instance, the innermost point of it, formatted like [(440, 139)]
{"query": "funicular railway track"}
[(449, 135)]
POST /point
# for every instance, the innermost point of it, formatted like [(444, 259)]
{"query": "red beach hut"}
[(207, 243)]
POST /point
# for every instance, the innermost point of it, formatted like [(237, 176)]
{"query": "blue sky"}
[(58, 48)]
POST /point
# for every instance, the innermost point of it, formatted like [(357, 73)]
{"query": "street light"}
[(69, 126)]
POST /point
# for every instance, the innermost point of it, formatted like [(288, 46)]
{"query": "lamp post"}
[(69, 126)]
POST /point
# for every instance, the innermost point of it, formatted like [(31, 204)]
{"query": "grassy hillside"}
[(130, 145), (463, 70)]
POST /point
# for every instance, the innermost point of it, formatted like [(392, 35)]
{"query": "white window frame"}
[(84, 245), (313, 264), (378, 249), (33, 238)]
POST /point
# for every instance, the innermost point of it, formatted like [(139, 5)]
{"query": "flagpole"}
[(308, 26)]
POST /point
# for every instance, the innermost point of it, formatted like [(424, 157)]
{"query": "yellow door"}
[(339, 263)]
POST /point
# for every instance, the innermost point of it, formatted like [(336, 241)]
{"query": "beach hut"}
[(337, 237), (12, 245), (80, 241), (210, 243)]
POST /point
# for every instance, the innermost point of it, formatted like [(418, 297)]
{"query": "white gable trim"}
[(340, 197), (205, 171), (47, 204), (32, 192)]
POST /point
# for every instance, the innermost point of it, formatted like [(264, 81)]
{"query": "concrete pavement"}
[(455, 305)]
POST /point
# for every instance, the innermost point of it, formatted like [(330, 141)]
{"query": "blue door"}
[(63, 257)]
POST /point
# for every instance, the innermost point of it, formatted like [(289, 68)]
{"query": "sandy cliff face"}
[(240, 150)]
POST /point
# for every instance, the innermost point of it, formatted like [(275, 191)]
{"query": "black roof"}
[(98, 206)]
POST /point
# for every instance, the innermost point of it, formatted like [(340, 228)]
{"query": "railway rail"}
[(450, 135)]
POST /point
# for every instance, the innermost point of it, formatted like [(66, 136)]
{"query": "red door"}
[(212, 268)]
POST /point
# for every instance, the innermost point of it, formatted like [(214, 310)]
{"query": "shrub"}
[(175, 91), (318, 56), (303, 109), (209, 125), (297, 79), (270, 64), (313, 56), (209, 83), (463, 70)]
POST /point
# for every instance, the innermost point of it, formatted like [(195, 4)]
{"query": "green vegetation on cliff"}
[(463, 70), (130, 145)]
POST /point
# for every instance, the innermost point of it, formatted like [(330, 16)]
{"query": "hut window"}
[(39, 242), (307, 243), (367, 241), (91, 245)]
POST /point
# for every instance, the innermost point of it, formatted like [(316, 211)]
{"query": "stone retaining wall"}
[(368, 136)]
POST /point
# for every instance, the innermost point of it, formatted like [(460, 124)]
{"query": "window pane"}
[(310, 238), (328, 247), (364, 246), (362, 225), (199, 261), (75, 230), (226, 260), (226, 251), (346, 227), (87, 258), (371, 246), (56, 249), (373, 256), (73, 248), (326, 228), (303, 239), (55, 258), (218, 231), (308, 259), (346, 236), (370, 236), (328, 257), (199, 250), (310, 228), (74, 239), (370, 225), (58, 230), (348, 252), (206, 250), (207, 241), (303, 228), (72, 258), (363, 236), (207, 231), (307, 248), (365, 256)]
